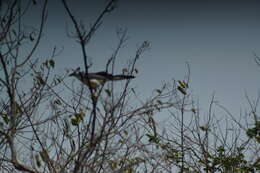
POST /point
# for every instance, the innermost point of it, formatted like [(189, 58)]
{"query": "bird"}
[(94, 80)]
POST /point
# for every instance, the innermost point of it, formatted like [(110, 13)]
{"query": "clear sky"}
[(217, 37)]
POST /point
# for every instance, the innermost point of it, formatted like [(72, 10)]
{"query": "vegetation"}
[(47, 125)]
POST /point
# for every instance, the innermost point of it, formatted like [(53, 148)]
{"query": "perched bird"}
[(98, 78)]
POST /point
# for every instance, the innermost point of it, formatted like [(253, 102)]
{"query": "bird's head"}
[(75, 73)]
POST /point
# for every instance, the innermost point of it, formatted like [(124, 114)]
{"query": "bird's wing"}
[(104, 74)]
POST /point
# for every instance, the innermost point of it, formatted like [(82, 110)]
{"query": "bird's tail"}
[(122, 77)]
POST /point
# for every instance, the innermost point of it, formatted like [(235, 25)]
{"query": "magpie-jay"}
[(98, 78)]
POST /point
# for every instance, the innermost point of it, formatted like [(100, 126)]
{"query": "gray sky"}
[(217, 38)]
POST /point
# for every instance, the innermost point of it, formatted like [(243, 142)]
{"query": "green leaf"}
[(38, 161), (258, 139), (5, 118), (183, 84), (58, 80), (158, 91), (94, 96), (133, 90), (220, 149), (1, 126), (72, 144), (52, 63), (204, 128), (113, 165), (109, 93), (125, 132), (14, 32), (31, 37), (251, 132), (74, 121), (66, 127), (18, 108), (153, 138), (45, 156), (182, 90), (40, 80), (160, 102), (57, 102), (79, 116)]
